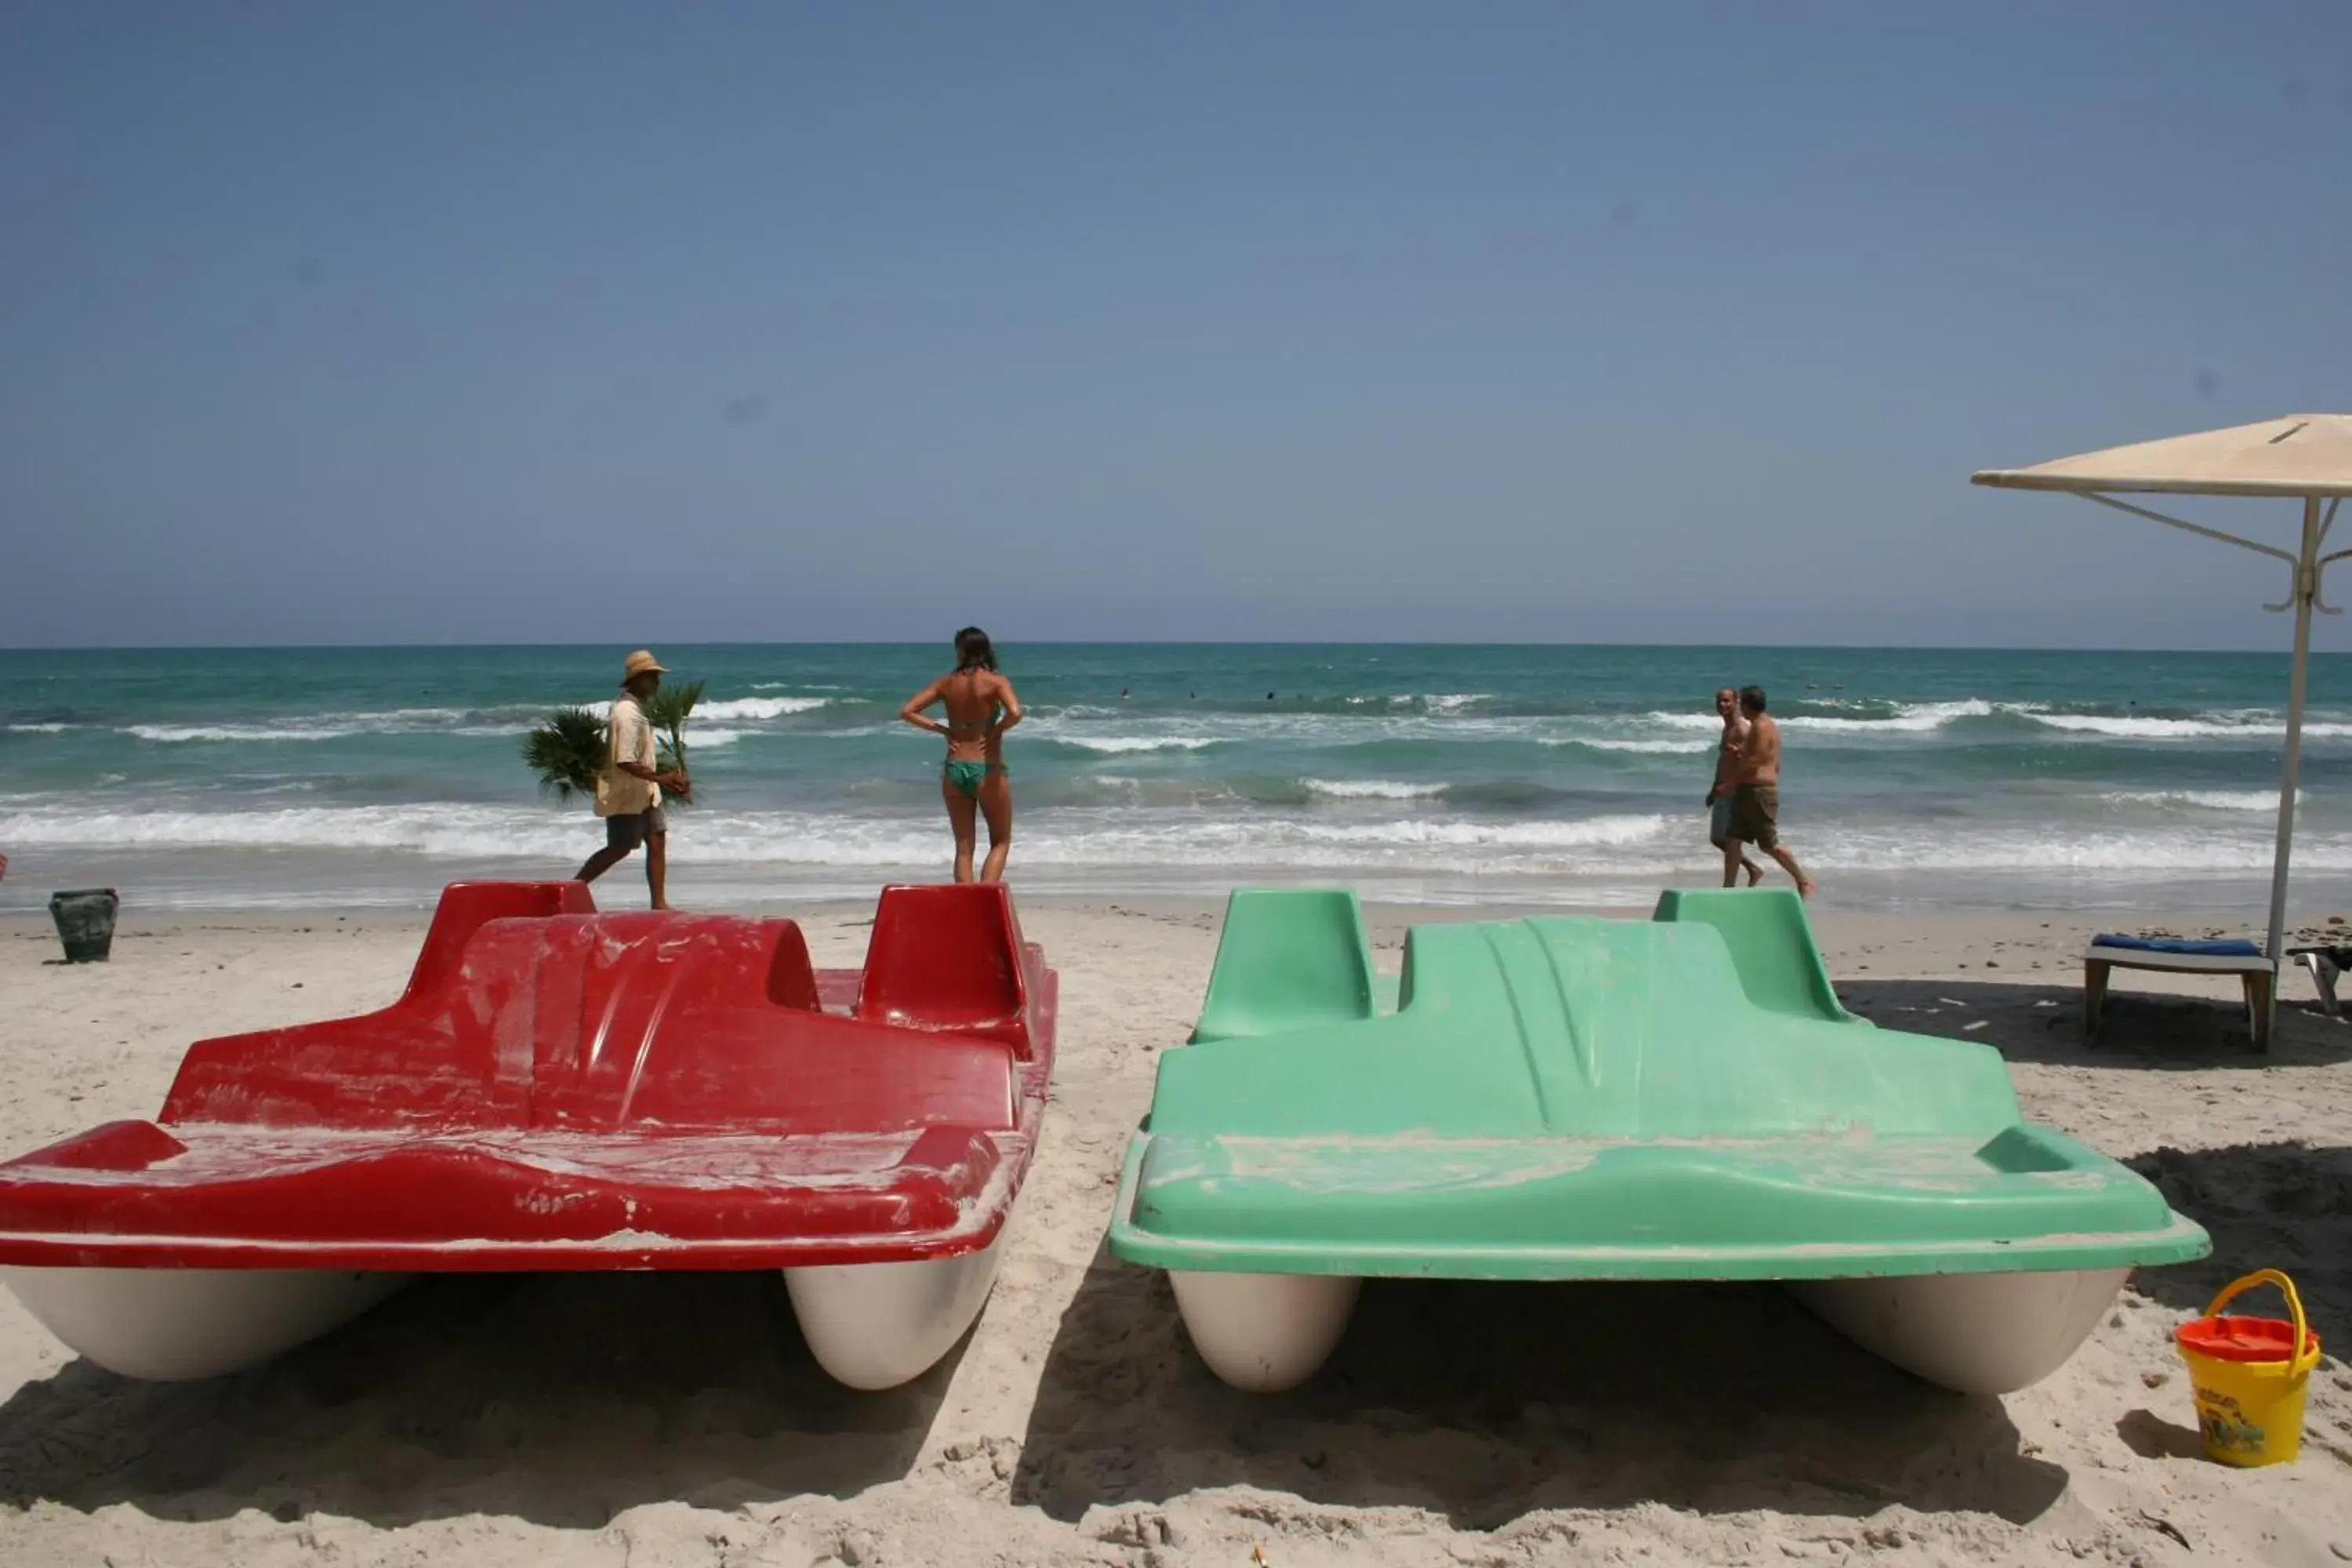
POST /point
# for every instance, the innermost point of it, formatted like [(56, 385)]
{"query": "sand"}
[(651, 1420)]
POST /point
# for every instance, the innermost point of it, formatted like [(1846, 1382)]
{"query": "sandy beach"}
[(648, 1420)]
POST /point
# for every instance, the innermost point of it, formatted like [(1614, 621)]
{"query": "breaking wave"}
[(1118, 745), (2209, 728), (1113, 835), (1371, 789), (2202, 799), (759, 707), (174, 735)]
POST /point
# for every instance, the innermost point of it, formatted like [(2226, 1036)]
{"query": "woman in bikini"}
[(981, 707)]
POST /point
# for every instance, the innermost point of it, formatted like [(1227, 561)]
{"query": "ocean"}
[(346, 777)]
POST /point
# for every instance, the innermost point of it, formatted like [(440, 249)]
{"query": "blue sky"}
[(1648, 322)]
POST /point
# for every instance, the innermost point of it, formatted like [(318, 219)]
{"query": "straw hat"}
[(641, 662)]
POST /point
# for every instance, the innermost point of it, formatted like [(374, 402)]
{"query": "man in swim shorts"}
[(629, 787), (1756, 795), (1718, 795)]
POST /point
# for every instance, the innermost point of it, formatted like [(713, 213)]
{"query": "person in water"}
[(981, 707)]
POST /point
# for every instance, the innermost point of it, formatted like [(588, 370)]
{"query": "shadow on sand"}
[(2268, 1205), (560, 1398), (2039, 1022), (1485, 1400)]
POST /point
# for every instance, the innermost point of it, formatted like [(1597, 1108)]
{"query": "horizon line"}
[(1161, 642)]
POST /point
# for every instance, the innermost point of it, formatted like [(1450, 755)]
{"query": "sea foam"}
[(1371, 789), (1118, 745), (756, 708), (2209, 728)]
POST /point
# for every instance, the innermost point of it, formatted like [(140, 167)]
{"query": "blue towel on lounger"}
[(2229, 947)]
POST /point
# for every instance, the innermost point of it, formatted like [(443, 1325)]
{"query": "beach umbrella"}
[(2305, 458)]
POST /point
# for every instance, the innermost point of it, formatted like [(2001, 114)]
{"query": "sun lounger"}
[(2170, 956)]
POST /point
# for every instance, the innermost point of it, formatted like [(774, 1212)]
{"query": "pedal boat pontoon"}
[(1604, 1100), (558, 1090)]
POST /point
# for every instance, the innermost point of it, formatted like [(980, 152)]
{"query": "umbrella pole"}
[(2306, 591)]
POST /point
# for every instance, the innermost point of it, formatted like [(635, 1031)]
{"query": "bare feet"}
[(1755, 872)]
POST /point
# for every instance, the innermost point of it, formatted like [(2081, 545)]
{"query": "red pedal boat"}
[(561, 1090)]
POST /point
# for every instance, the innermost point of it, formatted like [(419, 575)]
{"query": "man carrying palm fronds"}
[(629, 786)]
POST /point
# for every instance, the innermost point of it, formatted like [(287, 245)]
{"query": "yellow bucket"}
[(2249, 1374)]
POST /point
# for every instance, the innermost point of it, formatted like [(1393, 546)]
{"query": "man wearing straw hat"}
[(629, 785)]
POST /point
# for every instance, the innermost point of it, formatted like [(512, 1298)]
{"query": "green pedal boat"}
[(1578, 1098)]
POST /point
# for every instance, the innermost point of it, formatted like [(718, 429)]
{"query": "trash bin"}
[(85, 919)]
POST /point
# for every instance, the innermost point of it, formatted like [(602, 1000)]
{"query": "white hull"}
[(1264, 1332), (1973, 1333), (872, 1326), (877, 1325), (169, 1325)]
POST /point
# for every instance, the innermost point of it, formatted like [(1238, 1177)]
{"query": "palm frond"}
[(667, 712), (566, 750), (672, 706)]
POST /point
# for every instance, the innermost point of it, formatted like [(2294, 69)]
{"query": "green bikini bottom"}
[(968, 777)]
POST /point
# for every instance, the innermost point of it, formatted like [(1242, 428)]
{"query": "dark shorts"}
[(1756, 815), (628, 832)]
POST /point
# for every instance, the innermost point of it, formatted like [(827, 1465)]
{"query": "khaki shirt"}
[(631, 741)]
